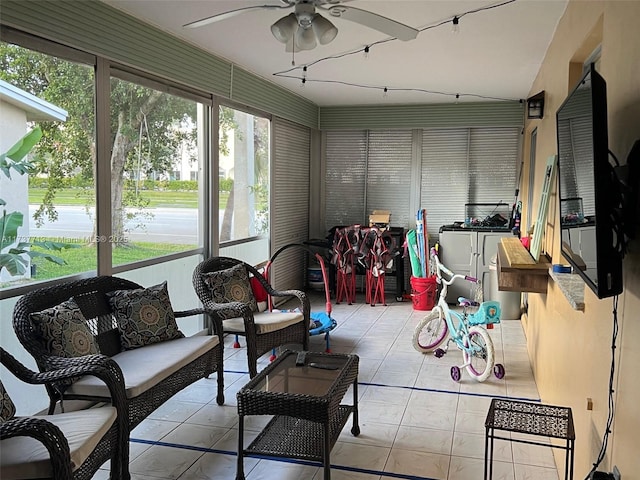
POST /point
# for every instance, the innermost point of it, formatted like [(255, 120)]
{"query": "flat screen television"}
[(586, 187)]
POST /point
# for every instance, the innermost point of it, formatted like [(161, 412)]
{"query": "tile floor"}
[(416, 422)]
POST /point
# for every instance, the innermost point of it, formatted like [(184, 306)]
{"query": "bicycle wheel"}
[(478, 353), (430, 332)]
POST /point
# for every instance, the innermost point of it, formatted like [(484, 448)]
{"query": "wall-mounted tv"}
[(587, 186)]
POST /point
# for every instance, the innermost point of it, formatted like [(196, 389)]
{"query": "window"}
[(155, 144), (244, 159), (49, 211)]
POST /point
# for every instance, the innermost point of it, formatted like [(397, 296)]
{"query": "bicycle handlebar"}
[(453, 276)]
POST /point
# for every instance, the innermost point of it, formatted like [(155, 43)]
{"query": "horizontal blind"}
[(346, 164), (290, 202), (389, 174), (444, 176), (493, 154)]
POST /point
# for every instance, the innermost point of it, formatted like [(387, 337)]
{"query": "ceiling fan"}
[(304, 28)]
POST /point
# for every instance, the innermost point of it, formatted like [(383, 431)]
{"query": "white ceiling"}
[(496, 54)]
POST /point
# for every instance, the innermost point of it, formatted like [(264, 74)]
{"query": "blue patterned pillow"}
[(231, 285), (64, 330), (144, 316)]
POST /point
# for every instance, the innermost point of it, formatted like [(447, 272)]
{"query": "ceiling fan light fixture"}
[(285, 28), (305, 39), (324, 30)]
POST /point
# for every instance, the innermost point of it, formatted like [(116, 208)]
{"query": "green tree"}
[(145, 123)]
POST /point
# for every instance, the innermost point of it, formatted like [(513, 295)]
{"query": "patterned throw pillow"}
[(144, 316), (64, 330), (231, 285), (7, 408)]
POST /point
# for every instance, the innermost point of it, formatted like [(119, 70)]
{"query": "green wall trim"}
[(97, 28), (480, 114), (250, 89)]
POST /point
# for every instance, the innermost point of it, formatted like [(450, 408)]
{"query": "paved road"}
[(168, 225)]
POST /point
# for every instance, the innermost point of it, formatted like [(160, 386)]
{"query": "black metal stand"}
[(533, 419)]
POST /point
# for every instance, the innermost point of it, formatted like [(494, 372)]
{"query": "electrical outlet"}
[(616, 473)]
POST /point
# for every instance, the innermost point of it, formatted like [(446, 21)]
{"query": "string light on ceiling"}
[(366, 51)]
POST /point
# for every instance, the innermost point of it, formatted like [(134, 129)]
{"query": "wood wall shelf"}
[(518, 271)]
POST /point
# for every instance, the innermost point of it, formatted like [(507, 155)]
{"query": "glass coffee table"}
[(305, 402)]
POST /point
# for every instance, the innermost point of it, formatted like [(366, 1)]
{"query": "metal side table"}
[(534, 419)]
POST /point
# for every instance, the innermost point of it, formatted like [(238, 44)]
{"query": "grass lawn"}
[(84, 258), (166, 198)]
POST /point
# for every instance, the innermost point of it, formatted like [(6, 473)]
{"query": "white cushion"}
[(25, 457), (266, 322), (145, 367)]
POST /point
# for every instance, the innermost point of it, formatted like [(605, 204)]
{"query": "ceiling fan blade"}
[(232, 13), (373, 20)]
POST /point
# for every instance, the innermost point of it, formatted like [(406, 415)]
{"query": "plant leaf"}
[(23, 146), (47, 256), (9, 224), (15, 264), (49, 245)]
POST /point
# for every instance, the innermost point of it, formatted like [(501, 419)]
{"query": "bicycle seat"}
[(465, 302)]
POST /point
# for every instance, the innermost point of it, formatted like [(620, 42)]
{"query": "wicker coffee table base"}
[(291, 436)]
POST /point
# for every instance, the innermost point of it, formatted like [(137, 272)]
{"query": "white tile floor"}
[(416, 422)]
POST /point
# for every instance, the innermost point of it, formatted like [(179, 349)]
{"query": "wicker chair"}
[(203, 353), (71, 445), (263, 331)]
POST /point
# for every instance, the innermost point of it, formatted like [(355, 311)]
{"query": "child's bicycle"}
[(466, 329)]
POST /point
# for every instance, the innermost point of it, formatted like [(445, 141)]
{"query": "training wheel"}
[(498, 371), (439, 353), (455, 373)]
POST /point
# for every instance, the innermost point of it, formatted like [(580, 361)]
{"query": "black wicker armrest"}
[(216, 321), (225, 311), (46, 433), (63, 369)]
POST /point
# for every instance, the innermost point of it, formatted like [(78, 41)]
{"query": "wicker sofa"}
[(152, 373)]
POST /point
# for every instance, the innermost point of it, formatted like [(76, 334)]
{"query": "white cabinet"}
[(469, 252)]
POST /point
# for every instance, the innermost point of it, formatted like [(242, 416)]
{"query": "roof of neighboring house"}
[(36, 108)]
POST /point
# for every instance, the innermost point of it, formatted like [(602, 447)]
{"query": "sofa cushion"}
[(25, 457), (7, 407), (144, 316), (231, 285), (265, 322), (64, 330), (143, 368)]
